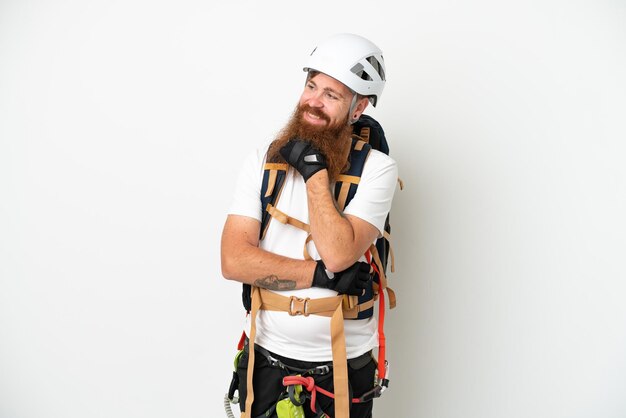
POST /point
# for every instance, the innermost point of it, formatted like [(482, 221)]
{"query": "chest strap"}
[(285, 219)]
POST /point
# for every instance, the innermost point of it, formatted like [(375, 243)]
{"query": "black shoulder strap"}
[(371, 132), (273, 180), (348, 182), (346, 187)]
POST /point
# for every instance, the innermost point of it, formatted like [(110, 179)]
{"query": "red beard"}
[(333, 141)]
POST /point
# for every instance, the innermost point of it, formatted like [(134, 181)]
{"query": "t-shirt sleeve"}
[(246, 197), (372, 201)]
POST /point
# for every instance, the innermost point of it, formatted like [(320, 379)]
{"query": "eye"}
[(331, 96)]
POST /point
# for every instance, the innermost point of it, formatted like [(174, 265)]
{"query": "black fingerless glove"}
[(351, 281), (304, 157)]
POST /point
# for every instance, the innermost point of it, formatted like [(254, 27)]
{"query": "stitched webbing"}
[(346, 181), (271, 183), (383, 278), (349, 179), (343, 195), (387, 236), (283, 218), (256, 303), (365, 134), (273, 169)]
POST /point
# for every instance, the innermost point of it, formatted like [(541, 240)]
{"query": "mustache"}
[(333, 140), (314, 111)]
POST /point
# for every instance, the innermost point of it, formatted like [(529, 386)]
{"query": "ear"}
[(359, 108)]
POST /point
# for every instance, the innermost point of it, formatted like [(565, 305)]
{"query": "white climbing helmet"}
[(352, 60)]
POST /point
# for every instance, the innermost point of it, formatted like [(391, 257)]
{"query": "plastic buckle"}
[(299, 306)]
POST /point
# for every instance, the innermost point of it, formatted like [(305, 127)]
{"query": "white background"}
[(122, 124)]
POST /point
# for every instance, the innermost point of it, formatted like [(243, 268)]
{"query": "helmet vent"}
[(360, 71), (377, 66)]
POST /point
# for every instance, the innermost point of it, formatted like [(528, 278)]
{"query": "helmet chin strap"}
[(351, 120)]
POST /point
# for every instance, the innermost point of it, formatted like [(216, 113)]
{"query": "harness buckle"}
[(299, 306), (321, 370), (274, 362)]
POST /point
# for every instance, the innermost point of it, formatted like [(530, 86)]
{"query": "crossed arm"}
[(244, 261), (340, 241)]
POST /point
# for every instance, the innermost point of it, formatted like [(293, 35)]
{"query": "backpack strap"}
[(271, 186), (347, 183), (345, 189), (273, 180)]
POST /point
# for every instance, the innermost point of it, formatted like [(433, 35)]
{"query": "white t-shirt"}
[(300, 337)]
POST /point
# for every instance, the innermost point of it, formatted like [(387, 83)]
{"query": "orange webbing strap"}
[(361, 141), (383, 277), (305, 251), (352, 307), (276, 166), (273, 169), (379, 267), (271, 182), (271, 301), (365, 133), (346, 182), (330, 306), (387, 236), (340, 364), (348, 178), (382, 341), (283, 218), (256, 304)]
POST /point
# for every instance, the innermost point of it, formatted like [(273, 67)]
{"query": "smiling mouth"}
[(313, 115), (316, 117)]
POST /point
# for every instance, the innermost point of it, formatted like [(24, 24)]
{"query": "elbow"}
[(229, 271), (337, 263), (226, 273)]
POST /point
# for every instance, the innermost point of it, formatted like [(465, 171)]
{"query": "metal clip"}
[(321, 370)]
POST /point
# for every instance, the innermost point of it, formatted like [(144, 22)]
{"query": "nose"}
[(315, 100)]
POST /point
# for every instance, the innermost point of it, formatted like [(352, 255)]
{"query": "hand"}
[(304, 157), (351, 281)]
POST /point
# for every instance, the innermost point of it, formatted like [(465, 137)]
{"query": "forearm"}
[(340, 240), (333, 234), (255, 266)]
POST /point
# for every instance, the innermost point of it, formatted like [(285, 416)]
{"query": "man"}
[(317, 254)]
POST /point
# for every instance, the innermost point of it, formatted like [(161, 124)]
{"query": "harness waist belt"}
[(330, 307)]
